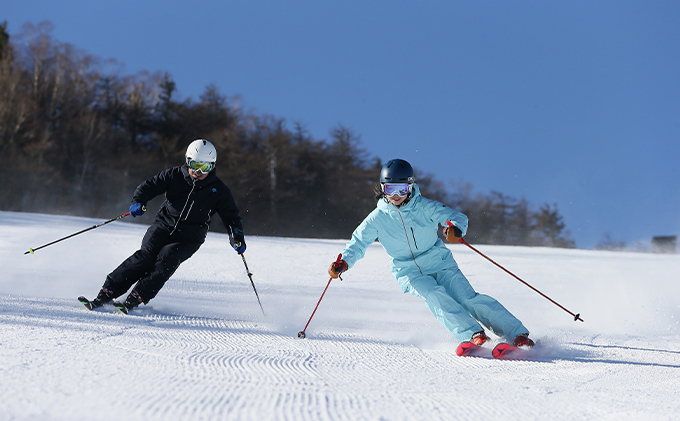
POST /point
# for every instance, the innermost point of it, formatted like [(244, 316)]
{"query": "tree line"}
[(78, 136)]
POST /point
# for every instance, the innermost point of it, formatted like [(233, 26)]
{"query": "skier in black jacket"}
[(193, 195)]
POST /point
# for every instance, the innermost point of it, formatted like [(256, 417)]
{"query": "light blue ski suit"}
[(424, 267)]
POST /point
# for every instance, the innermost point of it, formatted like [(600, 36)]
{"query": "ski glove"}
[(137, 209), (238, 241), (239, 246), (337, 268), (453, 233)]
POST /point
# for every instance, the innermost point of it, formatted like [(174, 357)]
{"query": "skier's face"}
[(396, 199), (197, 174)]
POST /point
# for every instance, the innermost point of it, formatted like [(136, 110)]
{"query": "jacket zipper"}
[(413, 256), (414, 238), (189, 211), (179, 218)]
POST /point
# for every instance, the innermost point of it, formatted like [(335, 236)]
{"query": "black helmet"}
[(397, 171)]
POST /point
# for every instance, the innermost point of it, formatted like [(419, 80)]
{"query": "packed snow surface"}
[(203, 350)]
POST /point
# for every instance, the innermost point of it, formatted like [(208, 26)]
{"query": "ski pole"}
[(250, 275), (30, 250), (301, 334), (576, 316)]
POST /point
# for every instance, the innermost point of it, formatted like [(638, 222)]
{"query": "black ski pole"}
[(31, 250), (250, 275), (302, 334)]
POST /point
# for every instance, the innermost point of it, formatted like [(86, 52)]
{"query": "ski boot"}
[(523, 340), (104, 296), (132, 301), (479, 338)]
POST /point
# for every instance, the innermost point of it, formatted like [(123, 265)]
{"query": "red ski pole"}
[(301, 334), (576, 316)]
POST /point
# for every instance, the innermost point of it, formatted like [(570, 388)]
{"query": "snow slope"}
[(202, 350)]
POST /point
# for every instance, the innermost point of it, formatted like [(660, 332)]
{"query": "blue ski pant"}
[(450, 297)]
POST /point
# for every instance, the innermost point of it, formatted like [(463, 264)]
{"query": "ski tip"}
[(503, 350), (464, 348), (120, 306), (84, 301), (31, 251), (467, 348)]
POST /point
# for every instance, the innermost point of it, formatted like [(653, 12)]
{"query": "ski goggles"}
[(400, 189), (204, 167)]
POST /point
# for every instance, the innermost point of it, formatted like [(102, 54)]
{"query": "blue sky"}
[(575, 103)]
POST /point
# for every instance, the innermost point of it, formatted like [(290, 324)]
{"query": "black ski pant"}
[(153, 264)]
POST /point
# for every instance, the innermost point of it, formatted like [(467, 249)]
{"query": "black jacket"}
[(190, 203)]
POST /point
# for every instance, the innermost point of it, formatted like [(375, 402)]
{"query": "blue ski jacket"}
[(408, 234)]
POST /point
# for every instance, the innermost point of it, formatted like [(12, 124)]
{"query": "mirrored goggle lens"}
[(204, 167), (399, 189)]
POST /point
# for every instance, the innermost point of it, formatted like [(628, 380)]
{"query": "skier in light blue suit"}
[(406, 225)]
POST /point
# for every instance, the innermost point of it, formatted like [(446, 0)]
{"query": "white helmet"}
[(201, 151)]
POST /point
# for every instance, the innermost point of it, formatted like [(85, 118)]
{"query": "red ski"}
[(466, 349), (503, 350)]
